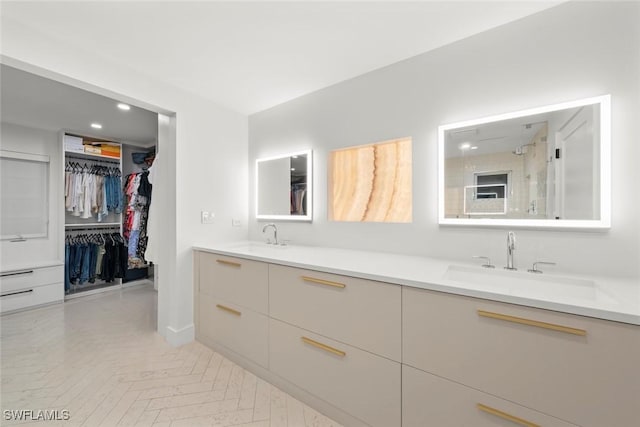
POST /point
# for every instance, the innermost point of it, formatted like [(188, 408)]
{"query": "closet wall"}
[(42, 250)]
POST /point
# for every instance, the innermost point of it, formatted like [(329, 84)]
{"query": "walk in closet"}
[(107, 199), (68, 227)]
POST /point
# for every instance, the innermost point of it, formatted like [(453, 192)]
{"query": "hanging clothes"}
[(137, 190), (89, 257), (92, 190)]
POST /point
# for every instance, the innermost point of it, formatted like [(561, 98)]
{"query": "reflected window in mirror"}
[(283, 187), (541, 167)]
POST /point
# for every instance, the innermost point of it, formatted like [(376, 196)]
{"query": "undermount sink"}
[(524, 283)]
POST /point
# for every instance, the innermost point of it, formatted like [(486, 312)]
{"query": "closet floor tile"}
[(99, 361)]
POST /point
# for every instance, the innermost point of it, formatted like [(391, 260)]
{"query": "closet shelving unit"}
[(73, 224)]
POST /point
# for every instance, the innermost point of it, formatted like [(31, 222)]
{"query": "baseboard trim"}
[(178, 337)]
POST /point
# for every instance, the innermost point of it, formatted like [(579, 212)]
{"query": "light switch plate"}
[(236, 223)]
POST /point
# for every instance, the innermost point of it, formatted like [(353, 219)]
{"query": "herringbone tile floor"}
[(100, 359)]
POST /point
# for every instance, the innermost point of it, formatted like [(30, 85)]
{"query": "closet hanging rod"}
[(70, 156), (110, 228)]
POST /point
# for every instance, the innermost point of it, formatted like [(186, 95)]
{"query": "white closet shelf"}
[(85, 155)]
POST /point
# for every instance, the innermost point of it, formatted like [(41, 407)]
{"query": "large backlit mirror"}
[(284, 187), (543, 167)]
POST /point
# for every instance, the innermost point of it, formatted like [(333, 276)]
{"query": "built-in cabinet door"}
[(239, 329), (363, 313), (358, 382), (237, 280), (428, 400), (579, 369)]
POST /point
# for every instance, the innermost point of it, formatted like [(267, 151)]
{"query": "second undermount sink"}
[(523, 283)]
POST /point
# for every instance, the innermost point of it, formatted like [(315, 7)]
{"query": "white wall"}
[(42, 250), (206, 168), (572, 51)]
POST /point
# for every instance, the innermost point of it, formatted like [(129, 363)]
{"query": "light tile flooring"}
[(99, 358)]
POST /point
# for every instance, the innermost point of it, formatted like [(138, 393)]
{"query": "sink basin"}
[(523, 283)]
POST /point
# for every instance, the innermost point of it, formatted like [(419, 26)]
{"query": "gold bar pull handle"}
[(323, 282), (228, 309), (505, 416), (231, 263), (529, 322), (323, 346)]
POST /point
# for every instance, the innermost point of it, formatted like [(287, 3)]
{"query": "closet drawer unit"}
[(30, 297), (358, 382), (428, 400), (236, 280), (362, 313), (579, 369), (239, 329), (15, 280)]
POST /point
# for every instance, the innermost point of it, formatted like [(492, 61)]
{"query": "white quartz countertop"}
[(600, 297)]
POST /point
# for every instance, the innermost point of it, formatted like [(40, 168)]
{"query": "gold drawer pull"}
[(230, 310), (535, 323), (323, 282), (504, 415), (231, 263), (323, 346)]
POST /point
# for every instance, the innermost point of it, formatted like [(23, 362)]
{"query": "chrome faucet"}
[(511, 247), (275, 232)]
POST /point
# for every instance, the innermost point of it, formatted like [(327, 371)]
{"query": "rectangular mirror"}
[(284, 187), (544, 167)]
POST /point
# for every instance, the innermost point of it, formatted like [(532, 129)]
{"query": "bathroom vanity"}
[(390, 340)]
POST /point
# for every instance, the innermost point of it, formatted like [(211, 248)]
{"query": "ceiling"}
[(34, 101), (250, 56)]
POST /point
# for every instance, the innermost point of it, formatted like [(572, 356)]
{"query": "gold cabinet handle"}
[(536, 323), (504, 415), (323, 346), (323, 282), (231, 263), (227, 309)]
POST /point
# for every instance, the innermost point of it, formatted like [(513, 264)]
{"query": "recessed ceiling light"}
[(465, 146), (293, 169), (124, 107), (475, 147), (96, 125)]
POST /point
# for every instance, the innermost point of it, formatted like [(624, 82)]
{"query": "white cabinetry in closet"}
[(31, 272), (30, 287)]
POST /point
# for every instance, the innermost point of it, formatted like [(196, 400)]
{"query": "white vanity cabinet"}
[(360, 383), (578, 369), (367, 352), (231, 305), (429, 400), (363, 313), (31, 287)]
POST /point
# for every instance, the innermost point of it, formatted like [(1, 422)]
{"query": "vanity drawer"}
[(30, 297), (239, 329), (428, 400), (358, 382), (236, 280), (362, 313), (534, 357), (12, 281)]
